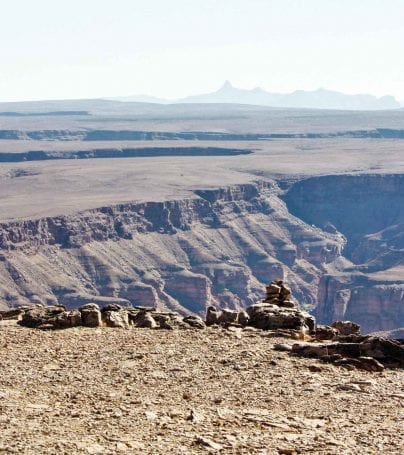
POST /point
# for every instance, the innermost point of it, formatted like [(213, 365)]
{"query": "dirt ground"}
[(108, 391)]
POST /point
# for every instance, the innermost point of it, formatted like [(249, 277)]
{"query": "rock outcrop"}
[(368, 353)]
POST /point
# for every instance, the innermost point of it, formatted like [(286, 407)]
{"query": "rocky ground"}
[(141, 391)]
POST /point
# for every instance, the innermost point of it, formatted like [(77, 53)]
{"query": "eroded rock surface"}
[(185, 255)]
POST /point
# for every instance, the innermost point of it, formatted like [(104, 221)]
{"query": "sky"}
[(69, 49)]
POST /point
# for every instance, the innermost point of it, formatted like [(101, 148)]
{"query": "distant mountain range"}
[(316, 99)]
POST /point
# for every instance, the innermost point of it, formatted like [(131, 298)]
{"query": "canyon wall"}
[(217, 248), (336, 240), (369, 211)]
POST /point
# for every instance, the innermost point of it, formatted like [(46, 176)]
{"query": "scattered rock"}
[(206, 442), (287, 452), (315, 368), (155, 391), (150, 415), (349, 387), (195, 416), (282, 347), (95, 449)]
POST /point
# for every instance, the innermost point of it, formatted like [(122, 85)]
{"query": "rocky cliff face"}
[(369, 211), (336, 240), (219, 247)]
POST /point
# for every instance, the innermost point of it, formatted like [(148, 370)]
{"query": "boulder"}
[(229, 317), (371, 354), (347, 327), (170, 321), (243, 318), (213, 316), (111, 307), (325, 332), (273, 289), (45, 317), (91, 315), (285, 292), (115, 318), (194, 321), (288, 303), (74, 318), (144, 320), (266, 316), (370, 364), (13, 314), (279, 294)]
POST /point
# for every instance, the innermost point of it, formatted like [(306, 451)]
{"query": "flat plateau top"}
[(35, 189), (47, 188), (187, 392)]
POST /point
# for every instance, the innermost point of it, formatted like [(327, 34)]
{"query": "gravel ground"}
[(109, 391)]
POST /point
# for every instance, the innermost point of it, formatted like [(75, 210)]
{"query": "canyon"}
[(199, 214), (220, 248)]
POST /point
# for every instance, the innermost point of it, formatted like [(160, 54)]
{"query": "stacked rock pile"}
[(278, 313), (280, 295)]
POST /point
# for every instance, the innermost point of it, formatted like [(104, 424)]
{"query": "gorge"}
[(334, 239), (194, 205)]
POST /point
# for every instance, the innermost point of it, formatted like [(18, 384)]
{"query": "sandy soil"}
[(108, 391)]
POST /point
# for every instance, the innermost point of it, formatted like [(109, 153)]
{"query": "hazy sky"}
[(173, 48)]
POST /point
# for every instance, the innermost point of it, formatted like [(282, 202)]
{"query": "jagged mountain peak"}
[(320, 98), (226, 86)]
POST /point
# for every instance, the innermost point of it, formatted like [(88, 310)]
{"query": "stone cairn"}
[(280, 295), (278, 312)]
